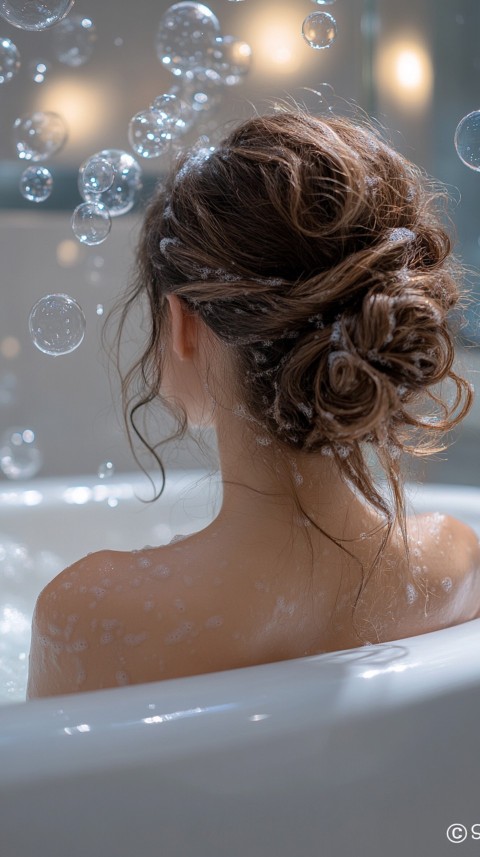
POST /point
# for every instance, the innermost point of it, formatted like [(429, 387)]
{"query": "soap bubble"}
[(91, 223), (73, 40), (57, 324), (39, 135), (148, 134), (120, 197), (96, 175), (105, 470), (36, 184), (231, 59), (9, 60), (34, 14), (467, 140), (186, 36), (20, 457), (38, 70), (100, 309), (319, 30), (170, 108)]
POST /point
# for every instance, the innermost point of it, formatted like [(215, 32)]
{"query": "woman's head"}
[(317, 261)]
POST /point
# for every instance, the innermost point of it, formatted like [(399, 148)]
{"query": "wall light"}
[(404, 72), (276, 39)]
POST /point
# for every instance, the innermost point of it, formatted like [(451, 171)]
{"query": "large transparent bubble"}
[(91, 223), (467, 140), (37, 136), (149, 134), (57, 324), (34, 14), (74, 40), (20, 457), (9, 60), (96, 175), (36, 184), (186, 36), (319, 30), (121, 196)]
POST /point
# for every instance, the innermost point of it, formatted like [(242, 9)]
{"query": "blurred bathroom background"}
[(414, 66)]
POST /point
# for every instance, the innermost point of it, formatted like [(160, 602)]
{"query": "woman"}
[(298, 281)]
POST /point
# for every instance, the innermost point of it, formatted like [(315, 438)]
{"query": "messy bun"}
[(317, 255)]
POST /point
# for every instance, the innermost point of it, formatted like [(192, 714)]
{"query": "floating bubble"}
[(170, 107), (319, 30), (57, 324), (186, 36), (91, 223), (467, 140), (38, 70), (20, 457), (37, 136), (120, 197), (105, 470), (9, 60), (36, 184), (100, 309), (148, 133), (231, 59), (73, 40), (34, 14), (96, 175)]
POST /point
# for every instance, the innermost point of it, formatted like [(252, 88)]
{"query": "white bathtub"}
[(371, 751)]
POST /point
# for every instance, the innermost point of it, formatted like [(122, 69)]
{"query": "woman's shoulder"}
[(116, 618), (445, 556)]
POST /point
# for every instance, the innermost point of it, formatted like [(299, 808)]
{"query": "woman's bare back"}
[(228, 597)]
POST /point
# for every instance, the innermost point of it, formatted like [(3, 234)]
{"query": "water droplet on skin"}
[(106, 638), (134, 639), (79, 645), (214, 622), (161, 571), (447, 584), (144, 562), (178, 634), (121, 678), (412, 593), (180, 605), (109, 624), (98, 591)]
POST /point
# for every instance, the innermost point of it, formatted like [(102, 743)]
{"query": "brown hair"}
[(318, 254)]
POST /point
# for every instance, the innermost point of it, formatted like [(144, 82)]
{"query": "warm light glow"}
[(10, 347), (408, 70), (68, 253), (405, 72), (84, 108), (276, 41)]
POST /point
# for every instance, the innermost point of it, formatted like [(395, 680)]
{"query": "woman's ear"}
[(184, 328)]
